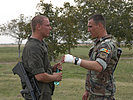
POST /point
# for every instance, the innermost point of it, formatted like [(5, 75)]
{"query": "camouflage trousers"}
[(95, 97)]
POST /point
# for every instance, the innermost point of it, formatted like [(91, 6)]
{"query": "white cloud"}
[(11, 9)]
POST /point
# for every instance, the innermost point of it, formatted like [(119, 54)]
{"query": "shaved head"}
[(37, 20)]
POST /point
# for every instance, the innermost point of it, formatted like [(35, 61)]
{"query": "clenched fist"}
[(71, 59)]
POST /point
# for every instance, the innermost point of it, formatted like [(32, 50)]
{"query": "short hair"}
[(98, 18), (37, 20)]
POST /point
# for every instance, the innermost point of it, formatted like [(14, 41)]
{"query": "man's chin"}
[(46, 35), (91, 36)]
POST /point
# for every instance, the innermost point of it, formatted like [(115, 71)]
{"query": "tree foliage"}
[(69, 23), (69, 26), (18, 29), (54, 40), (118, 13)]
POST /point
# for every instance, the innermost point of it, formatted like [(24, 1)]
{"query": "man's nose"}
[(88, 29)]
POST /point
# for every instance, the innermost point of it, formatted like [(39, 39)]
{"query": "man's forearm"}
[(44, 77), (91, 65)]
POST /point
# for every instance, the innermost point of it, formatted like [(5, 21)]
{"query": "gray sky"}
[(11, 9)]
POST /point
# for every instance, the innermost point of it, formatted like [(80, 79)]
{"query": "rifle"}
[(119, 52), (31, 88)]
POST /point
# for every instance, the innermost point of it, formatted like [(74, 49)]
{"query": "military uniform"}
[(35, 60), (101, 85)]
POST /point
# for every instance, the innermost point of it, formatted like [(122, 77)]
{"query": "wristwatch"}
[(76, 60)]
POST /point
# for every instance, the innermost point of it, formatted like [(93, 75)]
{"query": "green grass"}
[(8, 54), (127, 52), (72, 85), (9, 84)]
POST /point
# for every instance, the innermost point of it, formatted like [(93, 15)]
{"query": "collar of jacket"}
[(96, 41)]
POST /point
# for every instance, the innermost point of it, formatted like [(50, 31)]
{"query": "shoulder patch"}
[(104, 50)]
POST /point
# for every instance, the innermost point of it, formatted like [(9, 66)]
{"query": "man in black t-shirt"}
[(35, 58)]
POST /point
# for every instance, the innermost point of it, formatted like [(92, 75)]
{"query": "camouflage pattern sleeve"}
[(102, 83), (87, 83), (104, 54)]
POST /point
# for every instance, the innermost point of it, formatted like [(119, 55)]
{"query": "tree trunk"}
[(19, 45)]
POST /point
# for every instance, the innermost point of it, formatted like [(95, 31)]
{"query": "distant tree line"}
[(69, 23)]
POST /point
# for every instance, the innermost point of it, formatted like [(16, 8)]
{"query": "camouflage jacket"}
[(104, 52)]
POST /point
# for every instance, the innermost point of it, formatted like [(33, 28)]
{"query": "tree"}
[(18, 29), (120, 23), (69, 26), (54, 46), (119, 15)]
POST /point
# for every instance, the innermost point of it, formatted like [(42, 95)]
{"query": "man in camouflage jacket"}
[(100, 84)]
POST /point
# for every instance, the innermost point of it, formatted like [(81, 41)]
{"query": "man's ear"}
[(38, 26), (100, 25)]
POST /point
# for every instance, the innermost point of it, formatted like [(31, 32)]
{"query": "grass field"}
[(72, 85)]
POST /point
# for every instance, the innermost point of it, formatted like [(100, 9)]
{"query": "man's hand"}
[(69, 58), (57, 66), (58, 76), (85, 95)]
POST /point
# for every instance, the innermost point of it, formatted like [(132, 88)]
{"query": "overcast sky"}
[(11, 9)]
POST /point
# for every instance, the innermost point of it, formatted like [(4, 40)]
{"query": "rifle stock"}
[(19, 70), (119, 52)]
